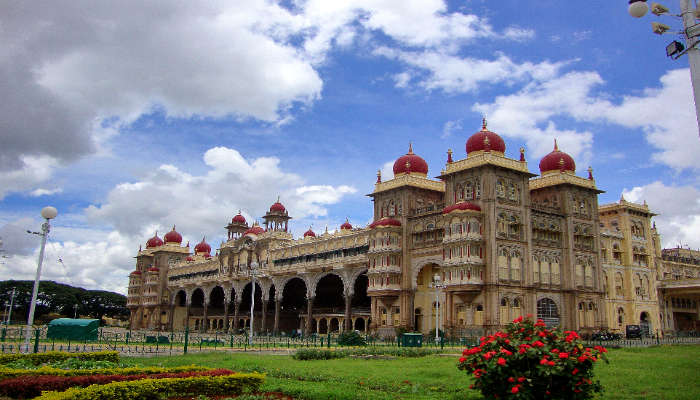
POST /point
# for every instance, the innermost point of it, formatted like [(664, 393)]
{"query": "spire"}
[(449, 156), (556, 148), (590, 173), (522, 154), (188, 244), (379, 176), (173, 227), (622, 198), (139, 248), (410, 148), (483, 123)]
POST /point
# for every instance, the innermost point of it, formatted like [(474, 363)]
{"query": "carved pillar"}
[(203, 325), (171, 321), (348, 312), (264, 314), (187, 312), (276, 328), (309, 307), (226, 315)]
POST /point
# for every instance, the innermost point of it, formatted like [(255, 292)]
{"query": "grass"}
[(668, 372)]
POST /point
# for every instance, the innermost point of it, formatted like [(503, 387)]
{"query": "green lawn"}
[(670, 372)]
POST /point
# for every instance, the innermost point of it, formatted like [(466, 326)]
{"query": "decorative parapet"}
[(413, 180), (561, 178), (486, 158)]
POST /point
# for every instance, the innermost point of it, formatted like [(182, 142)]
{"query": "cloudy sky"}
[(132, 117)]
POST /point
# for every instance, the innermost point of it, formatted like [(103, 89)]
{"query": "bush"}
[(152, 389), (313, 354), (530, 362), (351, 338), (31, 386), (55, 356), (6, 373)]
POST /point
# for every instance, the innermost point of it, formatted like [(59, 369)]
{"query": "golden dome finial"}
[(556, 148), (590, 172), (522, 154), (410, 148), (379, 176), (483, 123)]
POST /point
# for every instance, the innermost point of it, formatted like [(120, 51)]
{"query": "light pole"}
[(75, 311), (12, 305), (691, 32), (436, 284), (48, 213), (253, 271)]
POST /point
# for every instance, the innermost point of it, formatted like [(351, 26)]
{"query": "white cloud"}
[(387, 170), (45, 192), (449, 127), (34, 171), (678, 208)]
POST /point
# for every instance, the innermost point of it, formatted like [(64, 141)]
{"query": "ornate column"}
[(227, 299), (278, 302), (264, 314), (309, 307), (348, 311), (204, 324), (171, 321), (187, 312)]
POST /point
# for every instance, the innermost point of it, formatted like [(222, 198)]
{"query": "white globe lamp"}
[(49, 212), (638, 8)]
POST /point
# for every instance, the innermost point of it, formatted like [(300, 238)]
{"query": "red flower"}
[(462, 359), (515, 389), (555, 350), (542, 334), (563, 355), (506, 352), (511, 379), (501, 361), (518, 320), (551, 363), (575, 371), (543, 361), (521, 379), (537, 343)]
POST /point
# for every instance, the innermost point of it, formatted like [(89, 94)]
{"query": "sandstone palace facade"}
[(498, 240)]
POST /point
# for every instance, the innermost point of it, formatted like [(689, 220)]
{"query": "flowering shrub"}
[(6, 373), (528, 361), (54, 356)]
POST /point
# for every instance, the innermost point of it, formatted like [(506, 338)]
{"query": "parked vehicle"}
[(633, 332)]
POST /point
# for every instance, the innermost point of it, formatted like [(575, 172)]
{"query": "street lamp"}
[(12, 305), (75, 311), (691, 32), (48, 213), (436, 284), (253, 271)]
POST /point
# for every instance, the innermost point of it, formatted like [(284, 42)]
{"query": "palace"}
[(484, 242)]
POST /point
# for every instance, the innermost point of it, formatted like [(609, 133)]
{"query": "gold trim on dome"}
[(479, 158), (560, 179), (414, 179)]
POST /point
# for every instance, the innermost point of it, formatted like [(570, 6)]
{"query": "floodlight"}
[(674, 48), (658, 9), (659, 28), (638, 8)]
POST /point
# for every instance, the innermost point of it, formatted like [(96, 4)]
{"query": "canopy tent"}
[(73, 329)]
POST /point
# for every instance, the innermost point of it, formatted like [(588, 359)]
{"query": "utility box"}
[(73, 329), (412, 340)]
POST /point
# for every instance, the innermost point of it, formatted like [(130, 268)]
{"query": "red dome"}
[(153, 269), (557, 161), (410, 163), (346, 225), (189, 258), (461, 206), (254, 230), (385, 222), (135, 273), (309, 233), (202, 248), (155, 241), (173, 236), (239, 219), (485, 140), (277, 207)]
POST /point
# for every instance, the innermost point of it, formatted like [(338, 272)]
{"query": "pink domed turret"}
[(485, 140), (254, 230), (155, 241), (173, 237), (346, 225), (557, 161), (277, 207), (309, 233), (238, 219), (461, 206), (202, 247), (410, 163), (386, 221)]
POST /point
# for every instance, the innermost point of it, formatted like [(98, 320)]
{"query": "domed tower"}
[(557, 161), (237, 226), (277, 218)]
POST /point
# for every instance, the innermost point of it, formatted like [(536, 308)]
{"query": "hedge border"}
[(150, 389), (7, 373), (53, 356)]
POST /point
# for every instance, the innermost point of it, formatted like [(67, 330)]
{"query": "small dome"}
[(410, 163), (309, 233), (254, 230), (189, 258), (238, 219), (277, 206), (153, 269), (385, 222), (155, 241), (137, 272), (461, 206), (485, 140), (557, 161), (202, 247), (173, 236), (346, 225)]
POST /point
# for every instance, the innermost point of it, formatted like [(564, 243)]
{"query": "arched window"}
[(547, 311)]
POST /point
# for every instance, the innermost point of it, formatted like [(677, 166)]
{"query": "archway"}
[(645, 323), (360, 300), (329, 294), (424, 298), (179, 310), (360, 324), (418, 318), (547, 311), (293, 305), (322, 326), (245, 303), (181, 299), (334, 325)]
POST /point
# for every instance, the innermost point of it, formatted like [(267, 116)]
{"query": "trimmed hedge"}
[(7, 373), (54, 356), (31, 386), (152, 389)]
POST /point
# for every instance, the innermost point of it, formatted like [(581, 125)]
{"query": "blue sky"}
[(132, 118)]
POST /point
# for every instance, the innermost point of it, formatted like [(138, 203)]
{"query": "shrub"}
[(6, 373), (151, 389), (351, 338), (529, 361), (314, 354), (55, 356)]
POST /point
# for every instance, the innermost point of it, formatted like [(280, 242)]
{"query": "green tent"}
[(73, 329)]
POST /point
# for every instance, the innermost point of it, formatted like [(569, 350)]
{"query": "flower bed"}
[(147, 389), (29, 386), (54, 356), (6, 373), (528, 361)]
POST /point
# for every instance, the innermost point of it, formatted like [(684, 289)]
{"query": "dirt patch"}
[(260, 396)]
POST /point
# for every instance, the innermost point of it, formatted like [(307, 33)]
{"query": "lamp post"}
[(253, 270), (436, 284), (12, 305), (48, 213), (691, 32), (75, 311)]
